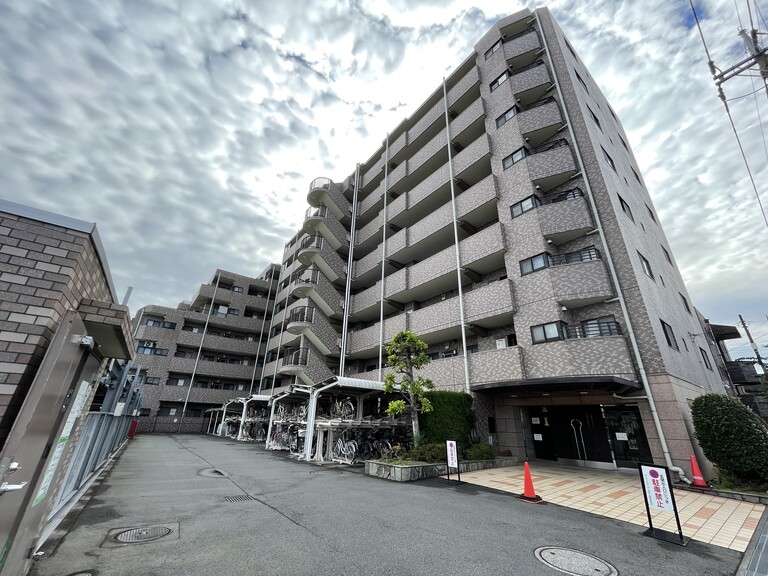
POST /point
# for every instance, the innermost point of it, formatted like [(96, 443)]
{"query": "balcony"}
[(318, 220), (363, 343), (531, 82), (315, 251), (464, 91), (595, 349), (551, 165), (210, 368), (486, 367), (315, 286), (521, 48), (314, 325), (565, 216), (540, 120), (324, 191), (432, 115), (294, 360), (305, 362), (581, 283)]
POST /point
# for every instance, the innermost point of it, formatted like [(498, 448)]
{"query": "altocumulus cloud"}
[(190, 131)]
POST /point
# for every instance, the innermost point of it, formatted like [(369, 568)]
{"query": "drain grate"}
[(574, 562), (240, 498), (143, 534)]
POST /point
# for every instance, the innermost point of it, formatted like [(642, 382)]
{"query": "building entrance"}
[(589, 436)]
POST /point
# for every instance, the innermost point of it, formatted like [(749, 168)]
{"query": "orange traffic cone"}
[(529, 494), (698, 479)]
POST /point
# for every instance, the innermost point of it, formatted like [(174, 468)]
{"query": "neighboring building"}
[(203, 352), (60, 323), (506, 223)]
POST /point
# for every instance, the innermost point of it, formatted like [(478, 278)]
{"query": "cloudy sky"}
[(190, 130)]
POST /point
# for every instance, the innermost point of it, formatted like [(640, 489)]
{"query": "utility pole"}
[(752, 343)]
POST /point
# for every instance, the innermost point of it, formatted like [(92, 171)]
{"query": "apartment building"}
[(506, 223), (203, 352)]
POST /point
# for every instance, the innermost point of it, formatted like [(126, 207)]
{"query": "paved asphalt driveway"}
[(306, 519)]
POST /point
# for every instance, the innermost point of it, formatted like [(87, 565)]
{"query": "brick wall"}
[(45, 270)]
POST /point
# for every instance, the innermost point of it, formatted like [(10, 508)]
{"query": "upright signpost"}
[(658, 495), (452, 458)]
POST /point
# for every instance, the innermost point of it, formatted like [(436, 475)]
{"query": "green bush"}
[(732, 436), (434, 452), (451, 418), (480, 452)]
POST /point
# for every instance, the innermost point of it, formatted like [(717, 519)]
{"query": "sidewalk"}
[(711, 519)]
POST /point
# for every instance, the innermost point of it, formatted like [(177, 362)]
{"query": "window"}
[(525, 206), (705, 357), (233, 312), (534, 263), (602, 326), (625, 207), (175, 381), (512, 339), (515, 157), (500, 80), (238, 289), (685, 303), (608, 157), (669, 335), (581, 80), (666, 255), (646, 266), (506, 117), (145, 411), (160, 351), (650, 213), (144, 350), (151, 322), (472, 349), (637, 176), (595, 119), (492, 49), (154, 380), (547, 332), (169, 325)]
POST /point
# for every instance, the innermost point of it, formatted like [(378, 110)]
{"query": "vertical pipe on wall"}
[(383, 259), (261, 337), (456, 240), (199, 352), (350, 264)]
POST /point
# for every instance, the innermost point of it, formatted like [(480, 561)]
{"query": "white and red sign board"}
[(453, 457), (657, 488)]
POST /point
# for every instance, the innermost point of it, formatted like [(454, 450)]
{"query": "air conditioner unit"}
[(148, 344), (180, 382)]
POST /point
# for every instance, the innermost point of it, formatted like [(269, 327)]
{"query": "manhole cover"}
[(144, 534), (574, 562)]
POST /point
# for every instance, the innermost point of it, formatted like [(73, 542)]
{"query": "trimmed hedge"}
[(479, 452), (732, 436), (436, 452), (451, 418)]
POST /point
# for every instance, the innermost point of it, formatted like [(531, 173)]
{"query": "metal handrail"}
[(295, 357), (526, 67), (302, 314), (316, 212), (536, 104), (593, 330), (315, 241), (305, 276), (549, 146), (584, 255), (518, 35), (562, 196), (320, 183)]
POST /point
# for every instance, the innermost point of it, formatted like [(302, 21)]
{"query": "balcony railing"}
[(315, 241), (518, 35), (530, 66), (549, 146), (536, 104), (592, 330), (323, 183), (302, 314), (305, 276), (316, 212), (571, 194), (583, 255), (295, 357)]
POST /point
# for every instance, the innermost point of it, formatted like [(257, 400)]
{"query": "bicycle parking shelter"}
[(251, 421), (337, 420)]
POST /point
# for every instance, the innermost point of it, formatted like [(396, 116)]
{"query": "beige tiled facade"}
[(216, 343), (518, 157)]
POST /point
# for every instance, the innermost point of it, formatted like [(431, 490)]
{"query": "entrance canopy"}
[(537, 386)]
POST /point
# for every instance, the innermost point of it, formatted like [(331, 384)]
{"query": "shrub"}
[(451, 418), (732, 436), (480, 452), (396, 455), (434, 452)]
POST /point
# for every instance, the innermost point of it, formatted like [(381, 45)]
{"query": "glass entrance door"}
[(627, 435)]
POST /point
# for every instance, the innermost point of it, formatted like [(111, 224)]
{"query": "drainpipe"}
[(350, 264), (261, 337), (199, 351), (456, 241), (266, 351), (383, 258), (280, 342), (614, 276)]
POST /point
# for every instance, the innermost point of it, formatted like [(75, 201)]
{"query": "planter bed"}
[(418, 470)]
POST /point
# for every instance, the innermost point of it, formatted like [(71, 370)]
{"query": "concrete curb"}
[(741, 496), (747, 566)]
